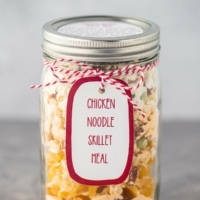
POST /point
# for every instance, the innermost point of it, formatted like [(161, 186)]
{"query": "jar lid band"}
[(101, 38)]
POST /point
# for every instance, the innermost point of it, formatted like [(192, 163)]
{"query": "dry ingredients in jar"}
[(100, 109)]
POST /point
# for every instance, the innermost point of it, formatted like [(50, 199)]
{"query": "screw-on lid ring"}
[(101, 38)]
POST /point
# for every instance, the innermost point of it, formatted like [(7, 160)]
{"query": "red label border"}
[(69, 159)]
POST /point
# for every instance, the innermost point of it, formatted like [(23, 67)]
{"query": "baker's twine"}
[(71, 76)]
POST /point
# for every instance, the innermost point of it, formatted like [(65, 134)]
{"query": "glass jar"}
[(100, 109)]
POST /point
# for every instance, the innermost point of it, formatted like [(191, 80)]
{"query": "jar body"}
[(143, 178)]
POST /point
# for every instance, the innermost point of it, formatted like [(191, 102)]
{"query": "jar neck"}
[(140, 61)]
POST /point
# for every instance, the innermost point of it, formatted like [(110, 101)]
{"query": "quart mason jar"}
[(100, 109)]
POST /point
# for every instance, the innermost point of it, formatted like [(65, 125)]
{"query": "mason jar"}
[(100, 105)]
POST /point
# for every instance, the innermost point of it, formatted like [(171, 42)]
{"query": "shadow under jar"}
[(100, 109)]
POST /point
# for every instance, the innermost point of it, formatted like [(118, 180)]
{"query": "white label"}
[(102, 29), (99, 134)]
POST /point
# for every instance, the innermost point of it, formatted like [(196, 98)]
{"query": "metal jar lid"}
[(101, 38)]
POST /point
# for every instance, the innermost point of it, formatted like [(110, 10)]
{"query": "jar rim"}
[(101, 38)]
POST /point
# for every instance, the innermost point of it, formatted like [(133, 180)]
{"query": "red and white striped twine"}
[(71, 76)]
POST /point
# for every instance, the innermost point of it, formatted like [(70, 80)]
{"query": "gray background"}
[(21, 55), (21, 65)]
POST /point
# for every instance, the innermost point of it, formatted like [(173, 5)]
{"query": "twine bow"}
[(63, 75)]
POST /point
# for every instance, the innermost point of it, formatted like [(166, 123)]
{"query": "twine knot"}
[(71, 76)]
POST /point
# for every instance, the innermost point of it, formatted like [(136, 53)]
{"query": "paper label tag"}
[(102, 29), (99, 133)]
